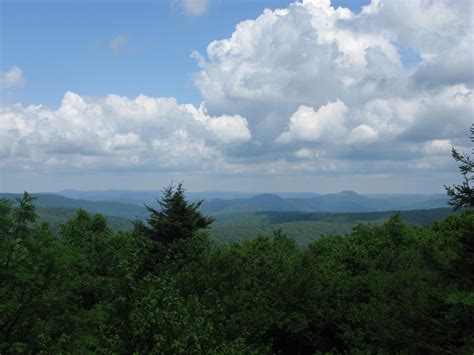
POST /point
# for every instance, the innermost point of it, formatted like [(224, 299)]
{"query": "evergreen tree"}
[(462, 195), (177, 218)]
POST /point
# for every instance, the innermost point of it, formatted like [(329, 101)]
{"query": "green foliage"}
[(177, 218), (56, 216), (231, 227), (306, 227), (462, 195), (118, 209), (85, 288), (303, 232), (31, 282)]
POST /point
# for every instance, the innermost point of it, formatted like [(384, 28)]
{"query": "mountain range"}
[(304, 216), (130, 204)]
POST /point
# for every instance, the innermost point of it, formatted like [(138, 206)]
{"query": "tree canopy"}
[(462, 195), (391, 288), (176, 218)]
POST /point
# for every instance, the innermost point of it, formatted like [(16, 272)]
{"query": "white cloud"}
[(362, 134), (322, 79), (306, 153), (437, 147), (194, 8), (117, 43), (326, 124), (144, 132), (226, 129), (12, 77)]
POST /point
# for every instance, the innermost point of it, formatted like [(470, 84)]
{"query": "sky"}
[(260, 96)]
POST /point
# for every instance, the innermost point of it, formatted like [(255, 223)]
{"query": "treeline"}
[(164, 288), (414, 217)]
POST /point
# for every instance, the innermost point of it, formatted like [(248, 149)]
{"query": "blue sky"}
[(65, 45), (223, 94)]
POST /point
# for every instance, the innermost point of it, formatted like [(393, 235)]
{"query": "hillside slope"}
[(227, 201), (117, 209)]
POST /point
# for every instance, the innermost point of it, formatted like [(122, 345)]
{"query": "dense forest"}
[(163, 287)]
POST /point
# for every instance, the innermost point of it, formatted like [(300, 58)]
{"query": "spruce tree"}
[(177, 218), (462, 195)]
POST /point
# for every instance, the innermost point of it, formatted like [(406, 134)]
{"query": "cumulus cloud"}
[(355, 87), (194, 8), (226, 129), (326, 124), (12, 77), (362, 134), (144, 132)]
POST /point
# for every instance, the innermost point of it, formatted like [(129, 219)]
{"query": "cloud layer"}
[(306, 89), (116, 132)]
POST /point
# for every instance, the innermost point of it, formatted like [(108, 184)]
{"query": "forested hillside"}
[(54, 216), (231, 227), (117, 209), (305, 227), (163, 287), (234, 227), (228, 202)]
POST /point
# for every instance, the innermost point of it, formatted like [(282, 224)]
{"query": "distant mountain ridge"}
[(149, 197), (110, 208), (338, 202), (228, 201), (130, 204)]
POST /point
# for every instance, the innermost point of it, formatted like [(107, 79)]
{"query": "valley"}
[(304, 218)]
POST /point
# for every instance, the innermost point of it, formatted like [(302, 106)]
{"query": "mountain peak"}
[(266, 197)]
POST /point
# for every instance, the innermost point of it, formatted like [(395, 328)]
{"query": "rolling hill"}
[(305, 219), (228, 201), (305, 227), (109, 208), (346, 201)]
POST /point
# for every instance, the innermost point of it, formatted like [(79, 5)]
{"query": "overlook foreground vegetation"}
[(164, 288)]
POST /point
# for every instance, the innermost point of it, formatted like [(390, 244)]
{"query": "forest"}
[(163, 287)]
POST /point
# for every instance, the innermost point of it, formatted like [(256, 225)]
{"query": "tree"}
[(462, 195), (177, 219), (34, 311), (16, 225)]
